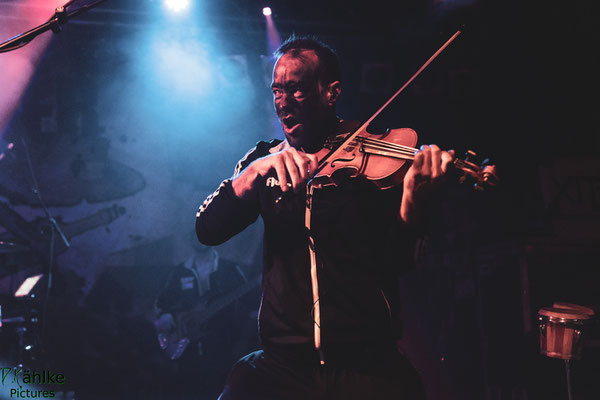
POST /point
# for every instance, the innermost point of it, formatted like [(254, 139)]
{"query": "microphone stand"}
[(54, 227), (61, 16)]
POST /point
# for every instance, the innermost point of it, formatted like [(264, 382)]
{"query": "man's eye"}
[(277, 92)]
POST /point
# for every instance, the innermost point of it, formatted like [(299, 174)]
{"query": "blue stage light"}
[(177, 5)]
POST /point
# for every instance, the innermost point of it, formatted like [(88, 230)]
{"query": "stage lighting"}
[(267, 11), (177, 5), (5, 148)]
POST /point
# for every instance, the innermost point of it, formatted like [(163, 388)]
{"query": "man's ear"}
[(333, 92)]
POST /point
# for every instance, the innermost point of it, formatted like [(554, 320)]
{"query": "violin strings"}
[(389, 144), (404, 151), (389, 152), (381, 144)]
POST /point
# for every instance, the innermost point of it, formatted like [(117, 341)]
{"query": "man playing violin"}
[(361, 239)]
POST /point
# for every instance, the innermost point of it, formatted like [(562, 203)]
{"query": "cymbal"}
[(70, 173), (9, 247)]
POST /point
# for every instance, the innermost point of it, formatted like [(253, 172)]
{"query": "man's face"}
[(301, 101)]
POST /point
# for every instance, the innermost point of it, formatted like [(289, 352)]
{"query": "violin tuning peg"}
[(470, 153)]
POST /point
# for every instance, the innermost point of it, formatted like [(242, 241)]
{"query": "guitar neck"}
[(104, 216), (199, 315)]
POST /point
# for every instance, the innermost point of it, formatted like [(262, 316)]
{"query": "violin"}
[(382, 159)]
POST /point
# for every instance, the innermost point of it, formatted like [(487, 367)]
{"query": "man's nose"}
[(286, 100)]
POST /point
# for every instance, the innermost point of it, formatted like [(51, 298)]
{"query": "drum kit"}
[(563, 329)]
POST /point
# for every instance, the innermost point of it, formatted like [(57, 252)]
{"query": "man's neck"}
[(330, 127)]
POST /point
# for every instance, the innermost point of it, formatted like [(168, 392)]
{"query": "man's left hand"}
[(428, 169)]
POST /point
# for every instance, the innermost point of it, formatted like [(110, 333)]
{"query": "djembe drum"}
[(562, 329)]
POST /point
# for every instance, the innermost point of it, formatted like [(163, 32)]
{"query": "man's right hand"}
[(293, 168)]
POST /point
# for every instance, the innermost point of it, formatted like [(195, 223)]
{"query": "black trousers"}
[(293, 372)]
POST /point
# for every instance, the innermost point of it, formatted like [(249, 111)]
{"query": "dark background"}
[(105, 131)]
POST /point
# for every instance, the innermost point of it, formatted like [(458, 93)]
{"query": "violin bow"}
[(363, 128)]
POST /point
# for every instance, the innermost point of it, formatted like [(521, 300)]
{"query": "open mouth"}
[(289, 122)]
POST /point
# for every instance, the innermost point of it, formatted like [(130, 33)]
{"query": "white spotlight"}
[(177, 5), (267, 11)]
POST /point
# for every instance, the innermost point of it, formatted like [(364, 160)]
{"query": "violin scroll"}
[(484, 175)]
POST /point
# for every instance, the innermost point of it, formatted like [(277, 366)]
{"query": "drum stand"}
[(568, 372)]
